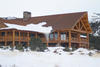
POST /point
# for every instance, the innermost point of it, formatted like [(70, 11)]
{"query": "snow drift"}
[(47, 59)]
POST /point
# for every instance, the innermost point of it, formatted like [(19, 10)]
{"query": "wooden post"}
[(36, 36), (69, 39), (66, 38), (58, 38), (87, 40), (79, 40), (47, 40), (5, 38), (28, 38), (54, 36), (47, 44), (19, 38), (13, 38)]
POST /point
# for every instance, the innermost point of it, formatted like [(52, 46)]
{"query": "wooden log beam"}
[(69, 39), (59, 38), (79, 31), (79, 40), (36, 35), (83, 25), (87, 40), (19, 37), (79, 25), (28, 38), (5, 38), (13, 38)]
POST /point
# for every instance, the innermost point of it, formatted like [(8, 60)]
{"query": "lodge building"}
[(69, 30)]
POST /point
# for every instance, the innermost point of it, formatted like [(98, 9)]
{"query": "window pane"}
[(63, 36), (3, 34), (51, 36)]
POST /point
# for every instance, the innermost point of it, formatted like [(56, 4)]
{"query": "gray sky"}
[(47, 7)]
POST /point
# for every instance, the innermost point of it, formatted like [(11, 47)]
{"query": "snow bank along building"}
[(70, 30)]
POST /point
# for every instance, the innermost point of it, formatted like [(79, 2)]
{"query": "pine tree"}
[(37, 45)]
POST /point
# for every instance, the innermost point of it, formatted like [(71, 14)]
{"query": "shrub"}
[(67, 49), (19, 47), (37, 45)]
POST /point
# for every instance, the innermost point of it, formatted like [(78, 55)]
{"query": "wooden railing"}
[(10, 38), (74, 39), (84, 40), (2, 38), (23, 38)]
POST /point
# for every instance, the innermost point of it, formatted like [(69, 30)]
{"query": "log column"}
[(47, 40), (79, 40), (47, 44), (87, 40), (19, 37), (36, 36), (69, 39), (28, 38), (58, 37), (5, 38), (13, 38)]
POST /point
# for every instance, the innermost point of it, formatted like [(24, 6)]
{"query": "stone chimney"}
[(26, 15)]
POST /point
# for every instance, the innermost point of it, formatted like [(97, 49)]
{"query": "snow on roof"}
[(9, 18), (30, 27)]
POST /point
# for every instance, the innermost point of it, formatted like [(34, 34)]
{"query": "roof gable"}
[(83, 24)]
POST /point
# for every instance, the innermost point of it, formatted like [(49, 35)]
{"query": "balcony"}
[(2, 38), (21, 38), (10, 38)]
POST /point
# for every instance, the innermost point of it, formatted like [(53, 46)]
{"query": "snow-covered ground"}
[(49, 58)]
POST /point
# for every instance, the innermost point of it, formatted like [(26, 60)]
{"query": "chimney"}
[(26, 15)]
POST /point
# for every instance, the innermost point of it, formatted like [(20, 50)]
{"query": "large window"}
[(63, 36), (51, 36)]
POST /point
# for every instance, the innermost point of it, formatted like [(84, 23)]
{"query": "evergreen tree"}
[(19, 47), (37, 45)]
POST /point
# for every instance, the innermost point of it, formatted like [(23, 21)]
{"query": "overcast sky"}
[(47, 7)]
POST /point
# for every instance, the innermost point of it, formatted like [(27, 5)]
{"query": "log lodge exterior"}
[(68, 30)]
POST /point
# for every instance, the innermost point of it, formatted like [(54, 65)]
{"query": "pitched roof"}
[(58, 22)]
